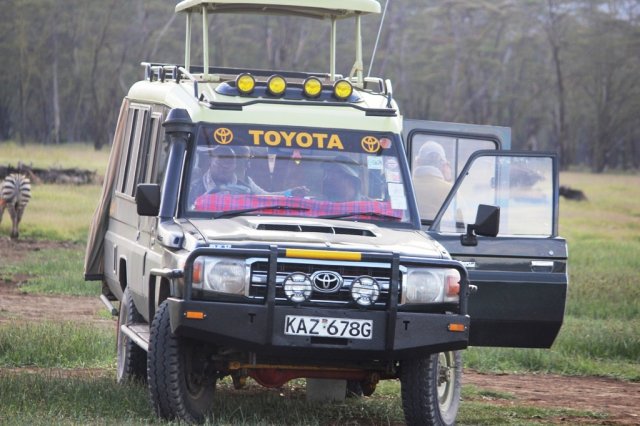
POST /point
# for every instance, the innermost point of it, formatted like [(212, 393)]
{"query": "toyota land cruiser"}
[(265, 224)]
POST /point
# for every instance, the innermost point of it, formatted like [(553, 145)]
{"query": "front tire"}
[(131, 359), (181, 385), (431, 387)]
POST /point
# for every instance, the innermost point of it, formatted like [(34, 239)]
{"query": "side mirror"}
[(487, 224), (148, 199)]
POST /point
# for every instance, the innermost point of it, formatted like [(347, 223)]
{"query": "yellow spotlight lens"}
[(342, 89), (245, 83), (276, 85), (312, 87)]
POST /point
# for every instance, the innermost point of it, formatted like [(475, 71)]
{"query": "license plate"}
[(295, 325)]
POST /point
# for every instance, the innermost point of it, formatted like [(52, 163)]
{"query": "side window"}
[(522, 186), (136, 141), (136, 151), (160, 156), (129, 139), (436, 162), (145, 153)]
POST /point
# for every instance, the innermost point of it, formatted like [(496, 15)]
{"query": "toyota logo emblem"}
[(326, 281)]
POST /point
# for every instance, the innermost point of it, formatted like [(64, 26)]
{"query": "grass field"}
[(58, 212), (599, 336), (63, 156)]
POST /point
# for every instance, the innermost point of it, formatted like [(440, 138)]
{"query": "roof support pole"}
[(205, 42), (332, 50), (187, 44), (358, 66)]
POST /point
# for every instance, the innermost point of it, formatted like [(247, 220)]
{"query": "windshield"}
[(284, 171)]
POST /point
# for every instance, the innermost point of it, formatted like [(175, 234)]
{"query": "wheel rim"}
[(446, 380), (122, 340), (194, 379)]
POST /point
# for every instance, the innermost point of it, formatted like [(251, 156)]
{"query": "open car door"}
[(521, 273)]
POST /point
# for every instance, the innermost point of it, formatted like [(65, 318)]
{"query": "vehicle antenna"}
[(375, 47)]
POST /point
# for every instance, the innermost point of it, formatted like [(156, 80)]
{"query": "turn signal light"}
[(276, 85), (457, 327), (245, 83), (453, 286), (198, 268), (195, 315)]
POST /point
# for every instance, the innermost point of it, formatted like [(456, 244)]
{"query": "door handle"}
[(542, 265)]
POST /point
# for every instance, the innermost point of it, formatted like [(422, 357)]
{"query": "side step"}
[(138, 333)]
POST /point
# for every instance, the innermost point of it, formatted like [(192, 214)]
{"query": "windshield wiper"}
[(218, 215), (372, 214)]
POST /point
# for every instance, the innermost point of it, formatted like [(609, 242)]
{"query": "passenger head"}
[(432, 154), (222, 164), (341, 180)]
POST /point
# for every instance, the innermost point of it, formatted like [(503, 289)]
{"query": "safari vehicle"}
[(264, 224)]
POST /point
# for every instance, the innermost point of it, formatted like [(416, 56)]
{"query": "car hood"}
[(318, 234)]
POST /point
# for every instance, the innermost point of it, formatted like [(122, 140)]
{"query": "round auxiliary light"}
[(276, 85), (342, 89), (245, 83), (365, 291), (312, 87), (297, 287)]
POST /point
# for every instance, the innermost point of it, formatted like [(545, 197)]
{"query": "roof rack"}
[(176, 73)]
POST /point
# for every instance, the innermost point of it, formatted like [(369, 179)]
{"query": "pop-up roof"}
[(325, 9), (312, 9)]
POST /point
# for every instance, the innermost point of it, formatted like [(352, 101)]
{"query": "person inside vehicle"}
[(243, 158), (341, 180), (219, 177), (431, 178)]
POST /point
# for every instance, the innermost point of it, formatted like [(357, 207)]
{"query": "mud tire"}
[(430, 388), (179, 385)]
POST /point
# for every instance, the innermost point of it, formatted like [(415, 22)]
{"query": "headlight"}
[(230, 276), (430, 285)]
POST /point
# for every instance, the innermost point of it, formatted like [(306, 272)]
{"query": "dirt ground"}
[(16, 303), (619, 400)]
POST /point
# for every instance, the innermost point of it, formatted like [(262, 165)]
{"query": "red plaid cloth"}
[(225, 202)]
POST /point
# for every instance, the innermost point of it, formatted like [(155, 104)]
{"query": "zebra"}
[(15, 193)]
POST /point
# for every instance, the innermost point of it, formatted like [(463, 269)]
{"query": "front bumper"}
[(260, 328), (257, 328)]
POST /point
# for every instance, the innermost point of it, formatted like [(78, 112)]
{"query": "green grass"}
[(53, 271), (64, 156), (38, 399), (57, 344), (45, 399), (57, 212)]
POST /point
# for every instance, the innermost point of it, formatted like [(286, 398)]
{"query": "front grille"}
[(349, 271)]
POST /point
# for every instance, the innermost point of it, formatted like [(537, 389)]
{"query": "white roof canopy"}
[(313, 9)]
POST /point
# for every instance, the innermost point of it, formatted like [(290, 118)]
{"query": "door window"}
[(521, 186), (436, 162)]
